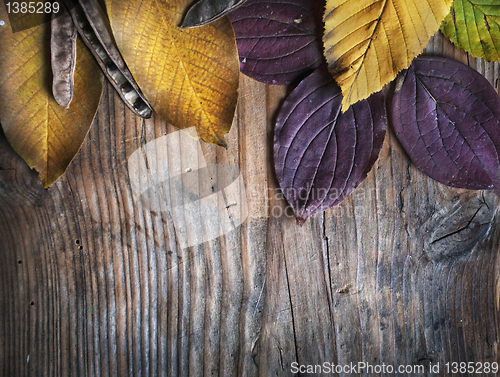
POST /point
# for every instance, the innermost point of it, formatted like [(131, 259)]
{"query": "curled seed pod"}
[(63, 36), (89, 19)]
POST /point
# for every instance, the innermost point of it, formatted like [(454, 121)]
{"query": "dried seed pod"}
[(63, 36), (206, 11), (89, 19)]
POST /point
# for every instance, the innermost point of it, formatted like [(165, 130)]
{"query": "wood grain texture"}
[(93, 282)]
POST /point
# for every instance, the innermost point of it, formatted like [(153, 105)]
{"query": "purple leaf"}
[(278, 40), (447, 117), (320, 154)]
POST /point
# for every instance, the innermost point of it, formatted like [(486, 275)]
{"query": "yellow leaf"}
[(367, 42), (42, 132), (189, 76)]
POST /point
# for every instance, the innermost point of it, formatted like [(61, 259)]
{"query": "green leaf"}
[(474, 26)]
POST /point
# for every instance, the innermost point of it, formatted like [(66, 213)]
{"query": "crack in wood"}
[(456, 228)]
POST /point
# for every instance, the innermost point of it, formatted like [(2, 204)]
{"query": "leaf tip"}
[(300, 221), (345, 106), (220, 141), (211, 138), (46, 180)]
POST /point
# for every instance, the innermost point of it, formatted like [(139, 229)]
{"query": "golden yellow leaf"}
[(189, 76), (367, 42), (42, 132)]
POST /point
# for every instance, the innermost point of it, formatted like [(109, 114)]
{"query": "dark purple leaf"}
[(206, 11), (320, 154), (447, 117), (278, 40)]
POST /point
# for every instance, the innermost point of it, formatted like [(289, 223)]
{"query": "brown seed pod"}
[(90, 20), (63, 57), (204, 12)]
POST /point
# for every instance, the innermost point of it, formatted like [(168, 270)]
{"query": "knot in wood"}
[(454, 231)]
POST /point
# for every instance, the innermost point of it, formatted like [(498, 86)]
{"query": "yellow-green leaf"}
[(189, 76), (42, 132), (367, 42), (474, 26)]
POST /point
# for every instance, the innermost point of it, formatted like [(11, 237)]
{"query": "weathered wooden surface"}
[(404, 272)]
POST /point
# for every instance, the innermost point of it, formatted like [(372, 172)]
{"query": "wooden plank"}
[(96, 280)]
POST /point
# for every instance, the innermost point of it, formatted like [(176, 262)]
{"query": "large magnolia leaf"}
[(447, 117), (474, 26), (367, 42), (279, 40), (320, 154), (189, 76), (42, 132)]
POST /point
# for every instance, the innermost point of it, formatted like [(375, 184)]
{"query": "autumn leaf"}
[(42, 132), (320, 154), (368, 42), (279, 41), (189, 76), (447, 118), (474, 26)]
